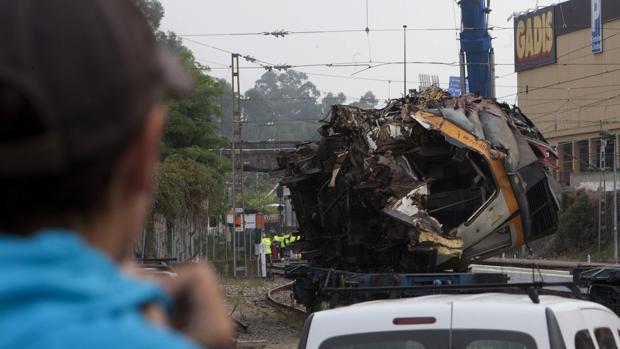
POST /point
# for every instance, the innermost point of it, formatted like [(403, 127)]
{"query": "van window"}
[(583, 340), (431, 339), (605, 338), (421, 339), (492, 339)]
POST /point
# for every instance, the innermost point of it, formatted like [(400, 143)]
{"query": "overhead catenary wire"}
[(267, 65), (553, 100), (283, 33), (595, 104), (310, 73), (532, 87), (280, 33), (564, 82), (594, 124), (586, 46), (261, 64), (369, 65)]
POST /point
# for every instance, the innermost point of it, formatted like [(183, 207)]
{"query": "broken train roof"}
[(457, 171)]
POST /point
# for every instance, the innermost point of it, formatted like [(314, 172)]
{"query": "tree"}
[(225, 103), (368, 100), (191, 172), (171, 42), (331, 99), (152, 10), (190, 139), (261, 192), (576, 223), (282, 106)]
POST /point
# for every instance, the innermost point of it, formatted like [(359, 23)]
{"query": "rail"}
[(287, 287)]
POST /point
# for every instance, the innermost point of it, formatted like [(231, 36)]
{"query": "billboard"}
[(454, 86), (534, 39), (597, 26)]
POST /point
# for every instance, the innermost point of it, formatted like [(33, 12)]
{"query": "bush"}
[(576, 226)]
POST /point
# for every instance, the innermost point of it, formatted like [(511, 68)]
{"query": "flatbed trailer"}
[(321, 288), (602, 284)]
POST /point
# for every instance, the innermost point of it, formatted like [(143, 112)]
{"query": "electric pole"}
[(615, 203), (404, 60), (237, 168), (605, 134)]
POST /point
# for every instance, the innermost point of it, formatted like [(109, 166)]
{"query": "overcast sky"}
[(249, 16)]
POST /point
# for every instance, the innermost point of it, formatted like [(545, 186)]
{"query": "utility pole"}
[(404, 60), (463, 84), (602, 191), (615, 203), (608, 136), (237, 160)]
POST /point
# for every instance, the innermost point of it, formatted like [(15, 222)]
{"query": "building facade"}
[(567, 59)]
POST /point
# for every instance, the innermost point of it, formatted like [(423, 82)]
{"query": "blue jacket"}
[(58, 292)]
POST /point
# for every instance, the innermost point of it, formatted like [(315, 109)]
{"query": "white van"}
[(481, 321)]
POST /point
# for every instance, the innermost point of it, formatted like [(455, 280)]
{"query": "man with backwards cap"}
[(82, 110)]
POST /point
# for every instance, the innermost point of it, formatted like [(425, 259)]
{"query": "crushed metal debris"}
[(430, 182)]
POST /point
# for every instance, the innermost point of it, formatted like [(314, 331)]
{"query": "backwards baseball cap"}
[(88, 70)]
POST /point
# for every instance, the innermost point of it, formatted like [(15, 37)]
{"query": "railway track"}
[(274, 301), (277, 269)]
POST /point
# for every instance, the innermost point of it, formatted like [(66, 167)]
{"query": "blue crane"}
[(476, 48)]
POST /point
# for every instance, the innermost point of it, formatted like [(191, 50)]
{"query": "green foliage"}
[(576, 226), (192, 171), (191, 118), (282, 107), (331, 99), (260, 192), (261, 200), (170, 41), (368, 100), (191, 176), (184, 185), (152, 10)]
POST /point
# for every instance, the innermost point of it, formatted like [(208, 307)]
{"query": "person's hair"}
[(31, 202)]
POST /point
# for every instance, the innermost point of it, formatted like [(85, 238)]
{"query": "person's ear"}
[(141, 159)]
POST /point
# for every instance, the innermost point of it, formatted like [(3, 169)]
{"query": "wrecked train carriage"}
[(426, 183)]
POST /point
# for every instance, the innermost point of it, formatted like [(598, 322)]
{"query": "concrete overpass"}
[(260, 156)]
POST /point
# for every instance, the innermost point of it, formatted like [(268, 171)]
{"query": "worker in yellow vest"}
[(277, 239), (287, 241), (293, 239), (284, 242), (266, 241)]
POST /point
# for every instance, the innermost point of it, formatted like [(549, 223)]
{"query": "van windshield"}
[(428, 339)]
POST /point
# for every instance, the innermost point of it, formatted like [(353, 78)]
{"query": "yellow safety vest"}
[(267, 243)]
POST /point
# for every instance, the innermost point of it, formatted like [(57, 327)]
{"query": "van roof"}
[(487, 299)]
